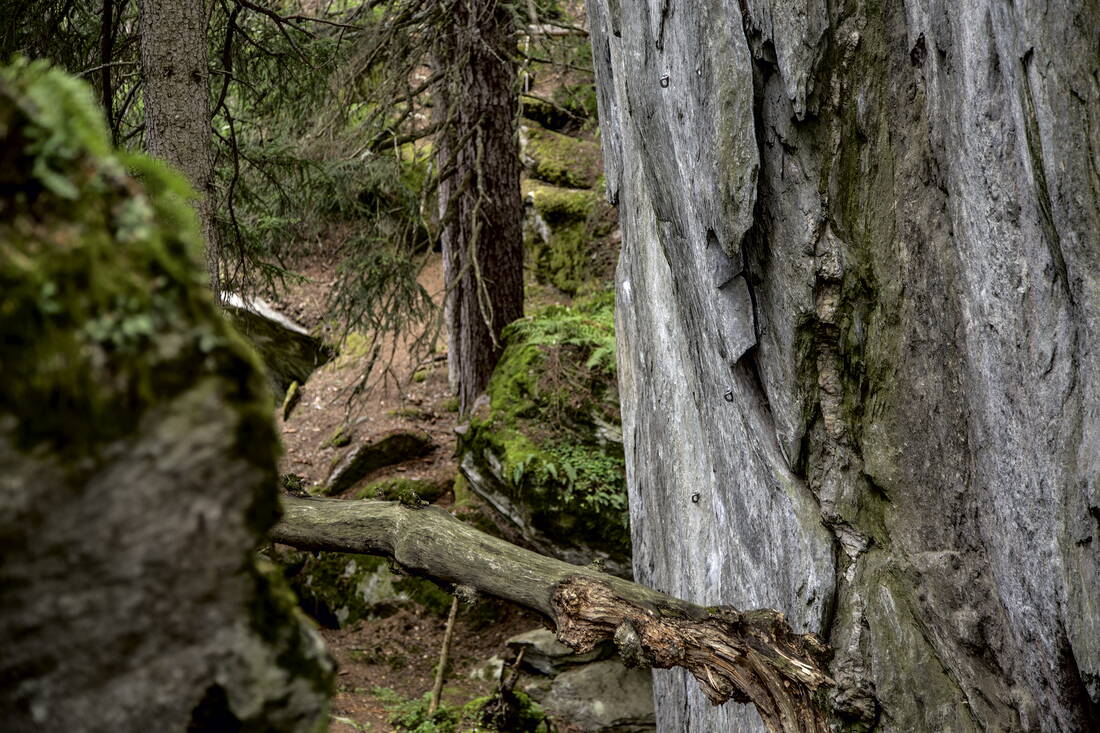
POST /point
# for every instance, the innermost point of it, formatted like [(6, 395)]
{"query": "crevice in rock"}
[(213, 714)]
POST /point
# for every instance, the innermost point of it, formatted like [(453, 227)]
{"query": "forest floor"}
[(384, 661)]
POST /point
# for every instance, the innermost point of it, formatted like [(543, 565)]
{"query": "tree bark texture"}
[(480, 204), (748, 656), (858, 305), (175, 72)]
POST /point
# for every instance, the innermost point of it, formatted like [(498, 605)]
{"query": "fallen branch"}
[(746, 656)]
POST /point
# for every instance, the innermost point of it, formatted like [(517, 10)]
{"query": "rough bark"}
[(176, 78), (480, 203), (857, 305), (745, 656)]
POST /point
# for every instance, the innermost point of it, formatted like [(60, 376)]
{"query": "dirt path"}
[(397, 653)]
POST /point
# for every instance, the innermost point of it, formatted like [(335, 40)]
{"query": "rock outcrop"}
[(544, 448), (138, 452), (290, 353), (858, 305), (361, 461)]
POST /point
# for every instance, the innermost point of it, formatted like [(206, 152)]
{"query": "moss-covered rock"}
[(560, 206), (406, 490), (388, 450), (564, 227), (338, 590), (289, 352), (544, 453), (545, 113), (558, 159), (139, 454)]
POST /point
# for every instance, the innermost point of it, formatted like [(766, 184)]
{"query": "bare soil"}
[(397, 653)]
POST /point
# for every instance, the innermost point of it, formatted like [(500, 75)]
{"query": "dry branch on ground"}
[(746, 656)]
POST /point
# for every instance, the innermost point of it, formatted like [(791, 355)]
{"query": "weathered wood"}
[(746, 656)]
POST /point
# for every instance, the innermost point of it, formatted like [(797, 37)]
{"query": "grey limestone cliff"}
[(858, 306)]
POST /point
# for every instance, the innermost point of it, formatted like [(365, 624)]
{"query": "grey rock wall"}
[(857, 304)]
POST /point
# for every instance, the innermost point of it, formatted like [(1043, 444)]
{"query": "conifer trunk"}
[(480, 201), (177, 102)]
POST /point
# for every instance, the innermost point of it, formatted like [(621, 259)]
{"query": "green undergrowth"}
[(561, 160), (552, 396), (405, 490), (475, 716), (338, 590)]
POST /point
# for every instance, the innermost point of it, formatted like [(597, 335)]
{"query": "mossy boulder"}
[(338, 590), (405, 490), (564, 227), (558, 159), (545, 113), (289, 352), (545, 453), (139, 454), (390, 449)]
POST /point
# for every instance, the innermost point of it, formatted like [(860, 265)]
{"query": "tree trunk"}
[(858, 304), (748, 656), (479, 197), (177, 103)]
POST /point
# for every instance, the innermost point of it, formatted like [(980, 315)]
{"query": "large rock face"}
[(138, 453), (858, 311)]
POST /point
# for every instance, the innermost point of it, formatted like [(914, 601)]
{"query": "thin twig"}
[(444, 653)]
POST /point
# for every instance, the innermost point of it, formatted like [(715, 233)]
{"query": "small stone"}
[(544, 654), (603, 697)]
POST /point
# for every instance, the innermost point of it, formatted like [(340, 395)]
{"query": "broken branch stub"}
[(746, 656)]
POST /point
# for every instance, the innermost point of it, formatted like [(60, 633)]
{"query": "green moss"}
[(553, 387), (574, 222), (293, 396), (339, 589), (565, 262), (355, 346), (396, 447), (340, 438), (426, 594), (480, 715), (399, 488), (105, 312), (561, 160), (292, 482), (560, 205), (275, 617)]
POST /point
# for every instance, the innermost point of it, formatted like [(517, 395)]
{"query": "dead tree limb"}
[(747, 656)]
